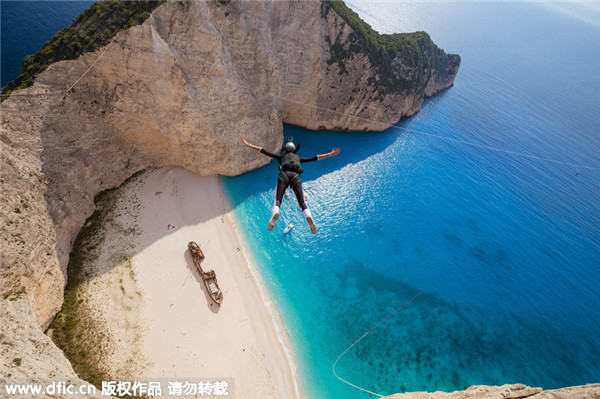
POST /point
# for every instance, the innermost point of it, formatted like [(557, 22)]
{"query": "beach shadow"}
[(200, 281), (106, 227)]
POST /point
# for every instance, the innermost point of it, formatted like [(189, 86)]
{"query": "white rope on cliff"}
[(77, 81), (93, 63)]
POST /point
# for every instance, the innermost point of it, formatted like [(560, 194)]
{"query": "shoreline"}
[(243, 340), (277, 323)]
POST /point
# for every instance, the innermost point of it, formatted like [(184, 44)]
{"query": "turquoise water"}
[(504, 248)]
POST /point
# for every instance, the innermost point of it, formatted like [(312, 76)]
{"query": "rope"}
[(386, 318), (73, 85), (77, 81), (364, 335), (94, 63)]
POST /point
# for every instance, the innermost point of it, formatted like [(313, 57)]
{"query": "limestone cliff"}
[(178, 90)]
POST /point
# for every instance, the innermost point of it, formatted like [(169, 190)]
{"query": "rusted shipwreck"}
[(209, 277)]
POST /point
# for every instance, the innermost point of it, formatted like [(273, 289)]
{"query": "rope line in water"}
[(363, 336), (578, 168), (432, 283)]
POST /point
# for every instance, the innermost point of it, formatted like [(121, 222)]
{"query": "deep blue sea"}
[(27, 25), (490, 259)]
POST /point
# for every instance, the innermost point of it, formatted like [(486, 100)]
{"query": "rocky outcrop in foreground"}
[(515, 391)]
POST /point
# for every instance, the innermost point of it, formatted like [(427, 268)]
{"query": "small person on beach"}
[(289, 176)]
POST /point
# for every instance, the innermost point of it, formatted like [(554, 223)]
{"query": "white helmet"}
[(289, 147)]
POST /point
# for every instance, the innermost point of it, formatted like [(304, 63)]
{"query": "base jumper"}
[(289, 176)]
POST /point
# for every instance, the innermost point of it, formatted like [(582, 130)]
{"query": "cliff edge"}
[(508, 391), (178, 89)]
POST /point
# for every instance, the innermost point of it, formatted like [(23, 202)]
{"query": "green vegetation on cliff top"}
[(92, 29), (416, 51)]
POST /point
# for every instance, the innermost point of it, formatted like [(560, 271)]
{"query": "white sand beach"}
[(180, 332)]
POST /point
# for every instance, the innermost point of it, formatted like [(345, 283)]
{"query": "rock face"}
[(27, 356), (177, 90), (515, 391)]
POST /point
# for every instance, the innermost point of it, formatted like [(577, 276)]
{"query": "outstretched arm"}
[(260, 149), (333, 152), (251, 146)]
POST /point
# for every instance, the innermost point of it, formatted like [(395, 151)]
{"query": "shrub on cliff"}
[(415, 50), (92, 29)]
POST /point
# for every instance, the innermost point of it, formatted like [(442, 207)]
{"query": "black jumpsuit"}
[(291, 177)]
